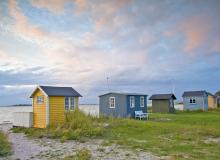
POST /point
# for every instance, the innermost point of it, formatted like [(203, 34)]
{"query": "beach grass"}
[(77, 125), (5, 146), (83, 154), (184, 135)]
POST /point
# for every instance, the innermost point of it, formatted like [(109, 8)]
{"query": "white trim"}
[(47, 111), (110, 102), (143, 101), (192, 98), (69, 104), (32, 104), (38, 87)]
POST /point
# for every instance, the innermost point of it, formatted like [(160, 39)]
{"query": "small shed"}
[(50, 104), (123, 105), (163, 103), (195, 100)]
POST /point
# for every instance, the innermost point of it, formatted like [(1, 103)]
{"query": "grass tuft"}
[(5, 146), (184, 135), (76, 126), (83, 154)]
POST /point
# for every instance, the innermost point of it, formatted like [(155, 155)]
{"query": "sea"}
[(6, 112)]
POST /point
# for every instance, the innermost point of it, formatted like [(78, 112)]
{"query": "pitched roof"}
[(57, 91), (126, 94), (194, 93), (162, 96)]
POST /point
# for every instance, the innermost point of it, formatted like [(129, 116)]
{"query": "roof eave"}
[(38, 87)]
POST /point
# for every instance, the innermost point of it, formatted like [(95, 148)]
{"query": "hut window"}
[(40, 99), (192, 101), (132, 101), (112, 102), (142, 101), (69, 103)]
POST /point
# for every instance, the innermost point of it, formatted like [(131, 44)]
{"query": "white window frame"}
[(70, 106), (40, 100), (132, 102), (111, 105), (142, 101), (192, 99)]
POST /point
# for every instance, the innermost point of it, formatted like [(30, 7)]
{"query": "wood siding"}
[(201, 103), (160, 106), (39, 110), (212, 102), (57, 112)]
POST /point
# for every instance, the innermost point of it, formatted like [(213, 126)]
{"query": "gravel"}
[(44, 148)]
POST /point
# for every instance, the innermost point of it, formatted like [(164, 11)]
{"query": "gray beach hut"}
[(118, 104)]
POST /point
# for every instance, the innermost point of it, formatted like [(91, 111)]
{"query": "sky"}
[(143, 46)]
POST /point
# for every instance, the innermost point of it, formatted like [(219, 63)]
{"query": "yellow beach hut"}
[(50, 103)]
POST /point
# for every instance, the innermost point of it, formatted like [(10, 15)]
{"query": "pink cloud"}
[(33, 33), (196, 31), (22, 26)]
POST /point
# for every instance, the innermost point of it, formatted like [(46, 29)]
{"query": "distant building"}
[(194, 100), (217, 94), (122, 104), (163, 103), (50, 104), (218, 101)]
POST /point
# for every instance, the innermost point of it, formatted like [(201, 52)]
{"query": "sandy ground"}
[(25, 148)]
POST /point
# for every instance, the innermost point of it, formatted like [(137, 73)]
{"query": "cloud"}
[(21, 23), (55, 6), (196, 30), (30, 32), (199, 32)]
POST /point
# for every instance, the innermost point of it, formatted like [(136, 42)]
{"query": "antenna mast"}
[(173, 86), (108, 84)]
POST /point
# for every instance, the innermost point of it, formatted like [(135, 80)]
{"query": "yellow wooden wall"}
[(76, 101), (211, 102), (39, 119), (57, 109)]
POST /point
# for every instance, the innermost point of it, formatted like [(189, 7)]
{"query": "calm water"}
[(6, 113)]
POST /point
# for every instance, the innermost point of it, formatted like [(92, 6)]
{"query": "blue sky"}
[(142, 46)]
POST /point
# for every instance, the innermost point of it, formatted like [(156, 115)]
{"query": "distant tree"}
[(217, 93)]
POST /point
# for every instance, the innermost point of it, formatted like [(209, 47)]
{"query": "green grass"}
[(184, 135), (77, 125), (83, 154), (181, 135), (5, 146)]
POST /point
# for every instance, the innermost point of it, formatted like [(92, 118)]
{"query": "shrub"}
[(5, 146), (76, 125)]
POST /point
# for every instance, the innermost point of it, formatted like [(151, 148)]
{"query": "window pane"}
[(40, 100), (71, 103), (132, 101), (142, 102), (112, 102), (66, 103), (194, 101)]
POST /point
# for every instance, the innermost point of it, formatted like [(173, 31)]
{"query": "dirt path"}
[(25, 148)]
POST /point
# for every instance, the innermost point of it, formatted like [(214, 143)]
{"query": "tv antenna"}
[(173, 86), (108, 83)]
